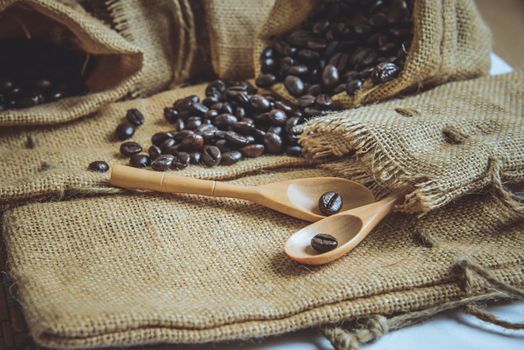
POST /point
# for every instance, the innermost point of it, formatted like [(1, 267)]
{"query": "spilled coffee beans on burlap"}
[(234, 121), (36, 71), (341, 45)]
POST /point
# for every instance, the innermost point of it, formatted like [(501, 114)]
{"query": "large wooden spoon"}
[(349, 228), (297, 198)]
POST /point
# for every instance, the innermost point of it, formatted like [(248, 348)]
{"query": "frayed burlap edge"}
[(374, 167)]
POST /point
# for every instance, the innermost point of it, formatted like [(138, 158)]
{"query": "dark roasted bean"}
[(265, 80), (330, 76), (330, 203), (129, 148), (167, 146), (294, 151), (273, 143), (260, 103), (181, 161), (193, 142), (124, 131), (306, 101), (353, 86), (194, 157), (225, 120), (324, 102), (140, 161), (98, 166), (385, 72), (294, 85), (211, 156), (154, 152), (135, 117), (158, 138), (229, 158), (163, 162), (324, 242), (277, 117), (170, 114), (192, 123), (236, 140), (253, 151)]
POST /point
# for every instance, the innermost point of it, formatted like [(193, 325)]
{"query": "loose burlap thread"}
[(115, 62), (450, 42)]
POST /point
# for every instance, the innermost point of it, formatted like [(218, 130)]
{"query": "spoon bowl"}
[(349, 228), (298, 197)]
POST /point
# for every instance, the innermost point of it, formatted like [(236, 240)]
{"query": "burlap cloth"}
[(140, 268), (116, 63), (450, 42)]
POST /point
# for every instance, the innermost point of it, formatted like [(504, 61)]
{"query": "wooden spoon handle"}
[(133, 178)]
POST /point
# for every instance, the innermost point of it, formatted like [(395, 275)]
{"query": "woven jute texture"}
[(142, 268), (52, 161), (171, 33), (458, 138), (450, 42), (232, 29), (115, 62)]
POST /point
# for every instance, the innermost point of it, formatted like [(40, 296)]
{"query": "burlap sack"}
[(116, 63), (143, 269), (450, 42), (232, 29), (52, 161), (439, 145)]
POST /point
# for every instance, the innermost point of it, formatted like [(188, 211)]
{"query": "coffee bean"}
[(124, 131), (225, 120), (306, 101), (192, 142), (294, 151), (129, 148), (158, 138), (154, 152), (324, 102), (167, 146), (135, 117), (163, 162), (324, 242), (192, 123), (253, 151), (194, 157), (265, 80), (229, 158), (99, 166), (260, 103), (277, 117), (330, 203), (236, 140), (385, 72), (140, 161), (273, 143), (330, 76), (294, 85), (181, 161), (353, 86), (211, 156)]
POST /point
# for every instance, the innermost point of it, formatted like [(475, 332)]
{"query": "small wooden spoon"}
[(297, 198), (349, 228)]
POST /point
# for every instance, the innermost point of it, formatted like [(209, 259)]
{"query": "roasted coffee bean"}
[(260, 103), (229, 158), (265, 80), (211, 114), (324, 102), (294, 85), (193, 142), (277, 117), (253, 151), (154, 152), (170, 114), (275, 130), (243, 128), (268, 65), (163, 163), (129, 148), (194, 157), (124, 131), (158, 138), (330, 76), (223, 146), (192, 123), (211, 156), (330, 203), (99, 166), (294, 151), (181, 161), (385, 72), (179, 124), (167, 146), (236, 140), (353, 86), (179, 136), (135, 117), (324, 242), (225, 120), (306, 101), (273, 143), (140, 161)]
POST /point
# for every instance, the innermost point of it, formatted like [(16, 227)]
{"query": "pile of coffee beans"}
[(341, 45), (234, 121), (35, 71)]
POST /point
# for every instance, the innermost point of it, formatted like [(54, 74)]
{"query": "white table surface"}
[(450, 330)]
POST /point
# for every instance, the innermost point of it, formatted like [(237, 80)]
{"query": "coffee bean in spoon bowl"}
[(330, 203), (324, 242)]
